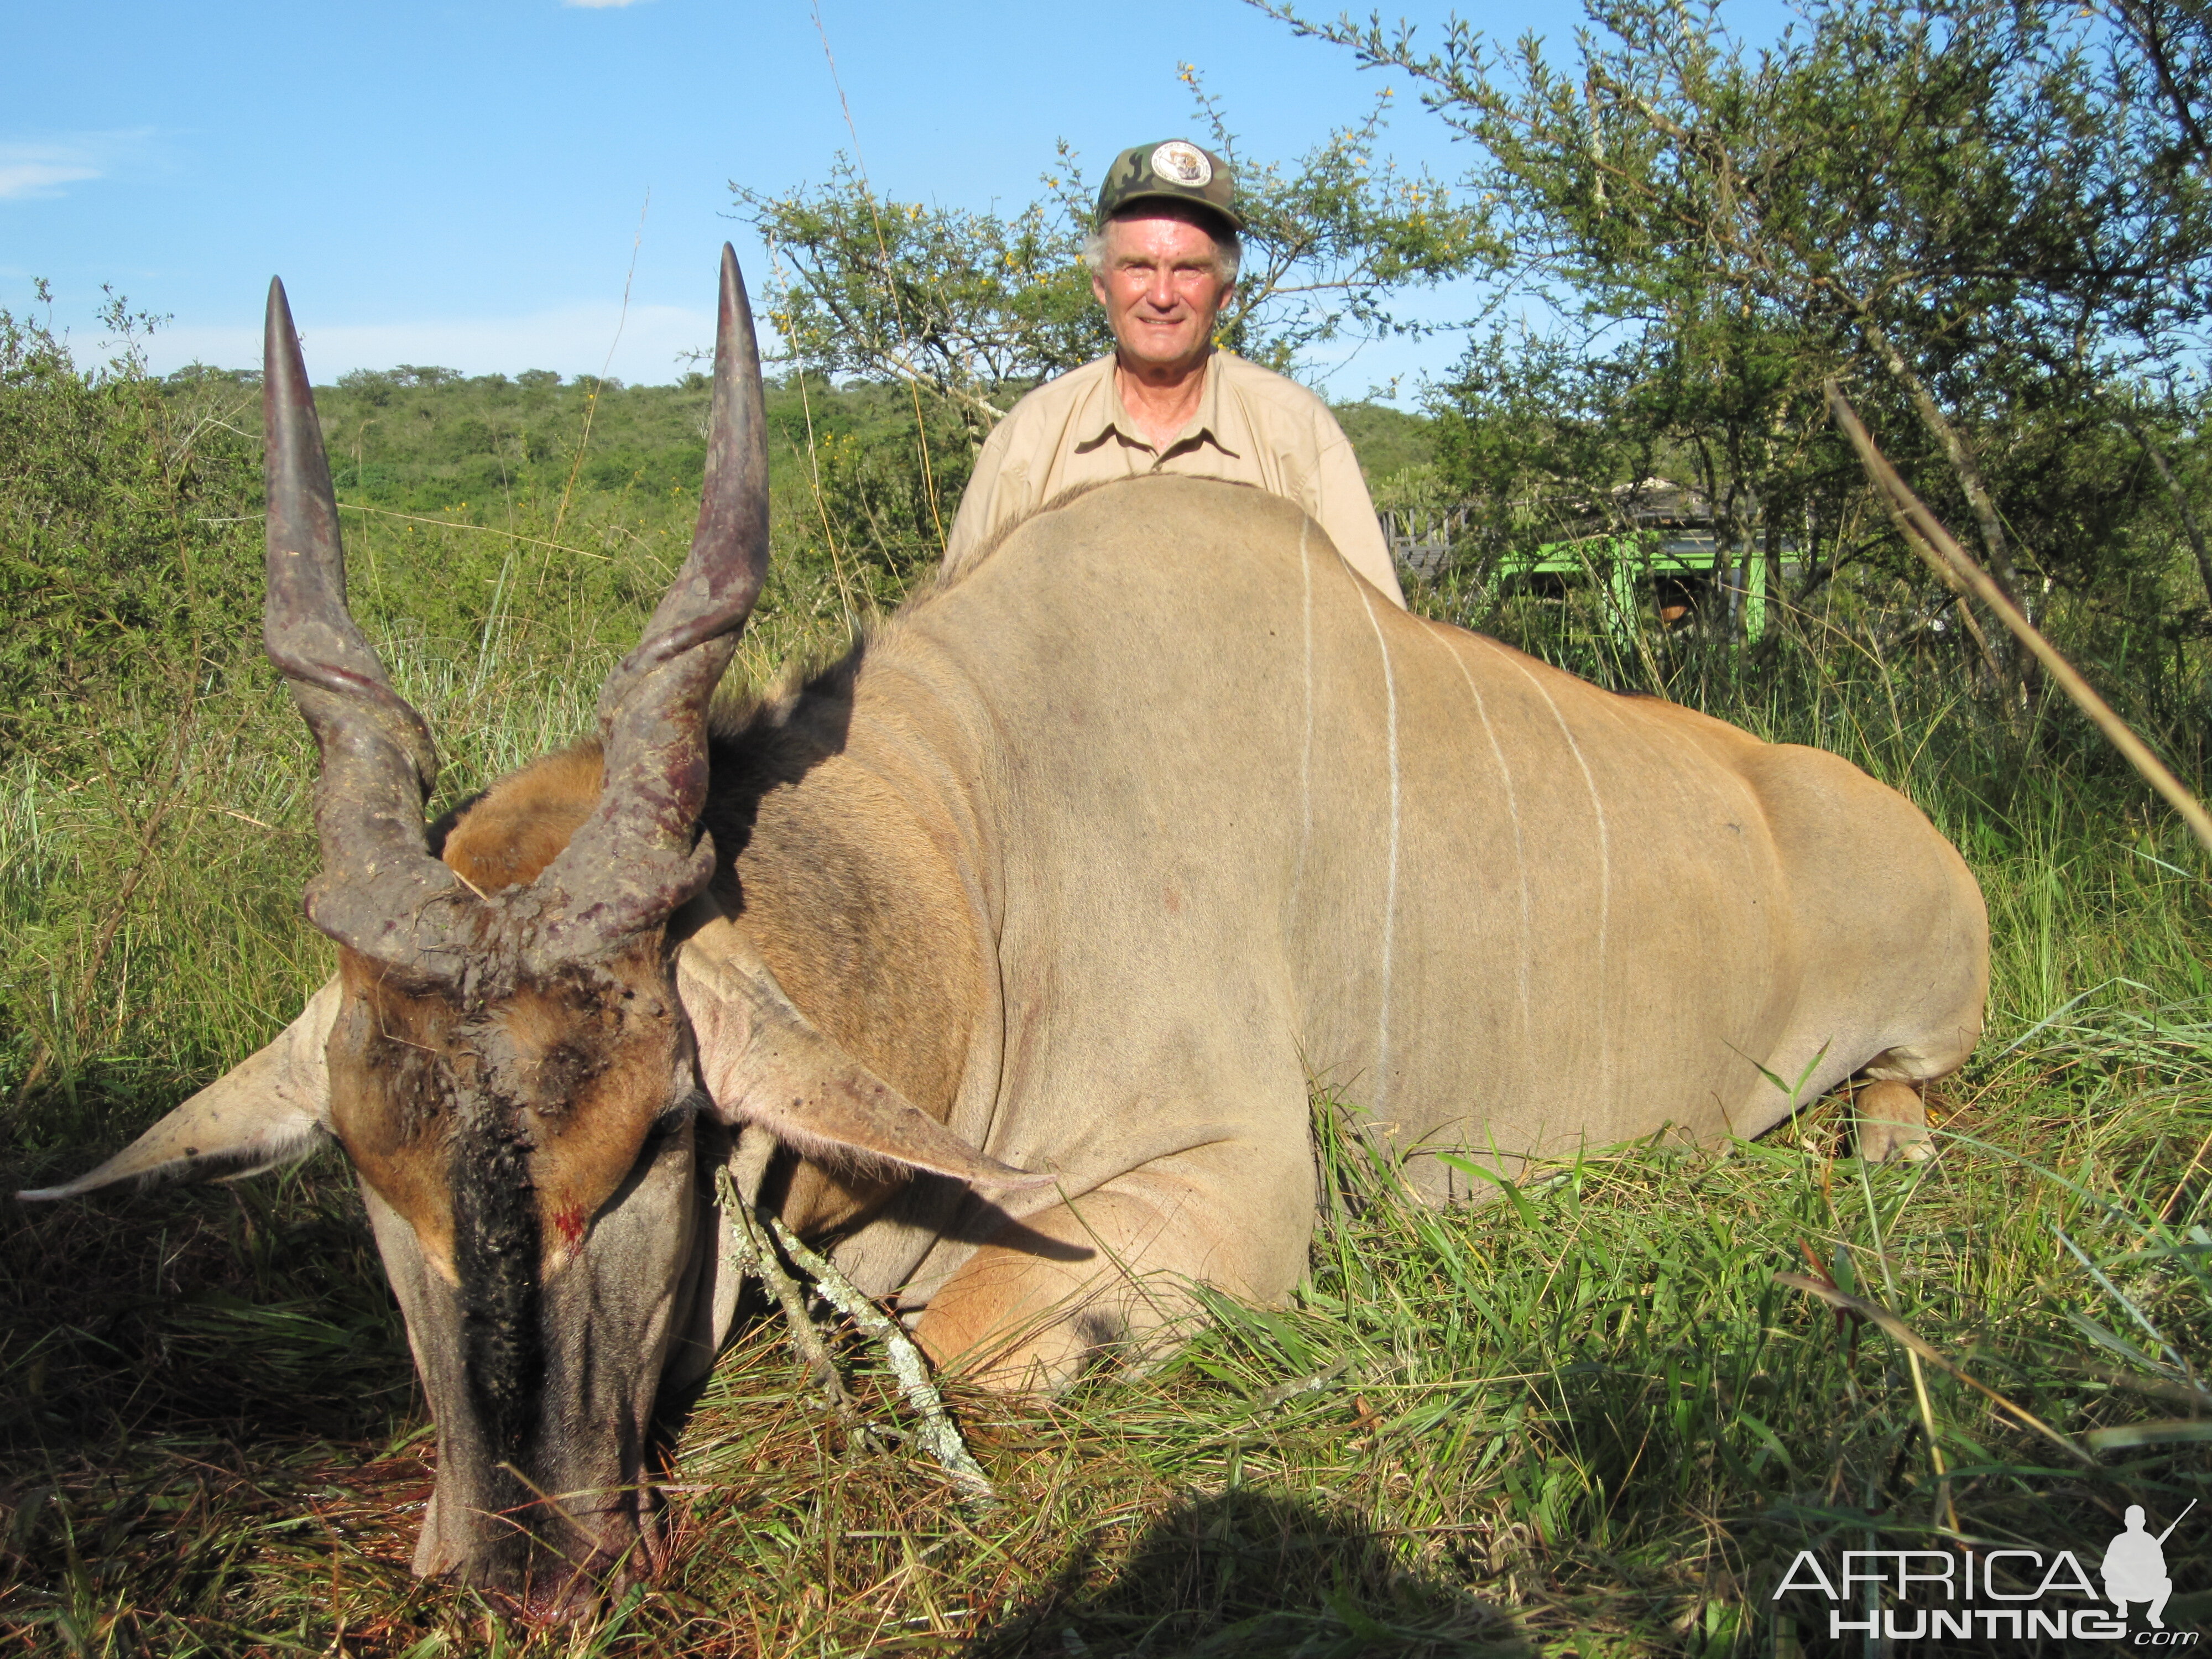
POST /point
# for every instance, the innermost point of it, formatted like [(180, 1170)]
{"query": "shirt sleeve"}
[(984, 505), (1343, 509)]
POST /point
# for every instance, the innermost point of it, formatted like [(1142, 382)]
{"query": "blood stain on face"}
[(568, 1222)]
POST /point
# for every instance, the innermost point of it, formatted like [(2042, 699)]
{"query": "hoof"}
[(1894, 1143)]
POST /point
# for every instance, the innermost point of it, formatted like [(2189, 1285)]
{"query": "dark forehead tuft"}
[(495, 1256)]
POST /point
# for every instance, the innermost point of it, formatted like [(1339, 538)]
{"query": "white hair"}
[(1228, 248)]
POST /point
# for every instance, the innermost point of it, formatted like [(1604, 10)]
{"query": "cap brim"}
[(1234, 219)]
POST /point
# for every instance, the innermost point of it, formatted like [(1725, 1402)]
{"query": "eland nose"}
[(557, 1589)]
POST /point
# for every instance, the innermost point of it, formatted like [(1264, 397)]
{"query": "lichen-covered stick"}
[(939, 1434), (755, 1255)]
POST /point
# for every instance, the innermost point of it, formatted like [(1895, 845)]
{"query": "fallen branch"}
[(2156, 1388), (939, 1436), (2194, 1430), (756, 1254)]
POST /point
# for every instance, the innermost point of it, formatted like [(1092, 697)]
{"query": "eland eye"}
[(671, 1119)]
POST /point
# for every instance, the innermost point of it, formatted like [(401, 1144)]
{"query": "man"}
[(1163, 262), (2135, 1568)]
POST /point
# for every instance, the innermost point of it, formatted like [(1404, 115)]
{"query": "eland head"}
[(529, 1023), (511, 1070)]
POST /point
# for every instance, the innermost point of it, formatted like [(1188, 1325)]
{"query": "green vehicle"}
[(1664, 552)]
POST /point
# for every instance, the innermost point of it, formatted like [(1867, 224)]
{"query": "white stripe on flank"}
[(1520, 857), (1604, 874), (1391, 890), (1305, 755)]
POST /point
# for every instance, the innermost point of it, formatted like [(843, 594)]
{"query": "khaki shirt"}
[(1252, 426)]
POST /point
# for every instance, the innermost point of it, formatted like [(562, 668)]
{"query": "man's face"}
[(1162, 288)]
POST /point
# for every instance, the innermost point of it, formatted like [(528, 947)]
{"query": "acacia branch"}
[(2140, 19)]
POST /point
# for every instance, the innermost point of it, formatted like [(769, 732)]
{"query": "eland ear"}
[(764, 1062), (270, 1108)]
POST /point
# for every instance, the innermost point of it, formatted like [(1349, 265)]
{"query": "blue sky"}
[(462, 183)]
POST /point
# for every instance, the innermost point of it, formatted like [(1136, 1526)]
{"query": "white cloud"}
[(570, 339), (21, 179), (36, 169)]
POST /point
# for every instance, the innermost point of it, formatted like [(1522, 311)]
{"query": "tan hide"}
[(1225, 822)]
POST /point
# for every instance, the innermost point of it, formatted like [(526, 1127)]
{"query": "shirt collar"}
[(1108, 413)]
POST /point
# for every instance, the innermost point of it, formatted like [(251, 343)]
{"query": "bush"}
[(128, 564)]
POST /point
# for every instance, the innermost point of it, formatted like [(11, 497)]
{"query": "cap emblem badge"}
[(1185, 164)]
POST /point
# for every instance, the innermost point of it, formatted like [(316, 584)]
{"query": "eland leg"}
[(1016, 1321), (1112, 1273)]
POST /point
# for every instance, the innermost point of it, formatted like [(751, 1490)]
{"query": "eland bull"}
[(1002, 955)]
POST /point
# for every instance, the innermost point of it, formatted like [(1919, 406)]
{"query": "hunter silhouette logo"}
[(2135, 1566), (2019, 1594)]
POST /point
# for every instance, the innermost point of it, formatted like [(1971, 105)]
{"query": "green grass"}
[(1584, 1419)]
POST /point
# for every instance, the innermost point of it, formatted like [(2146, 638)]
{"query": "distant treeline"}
[(431, 439)]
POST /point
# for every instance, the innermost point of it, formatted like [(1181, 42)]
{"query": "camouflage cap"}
[(1175, 171)]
